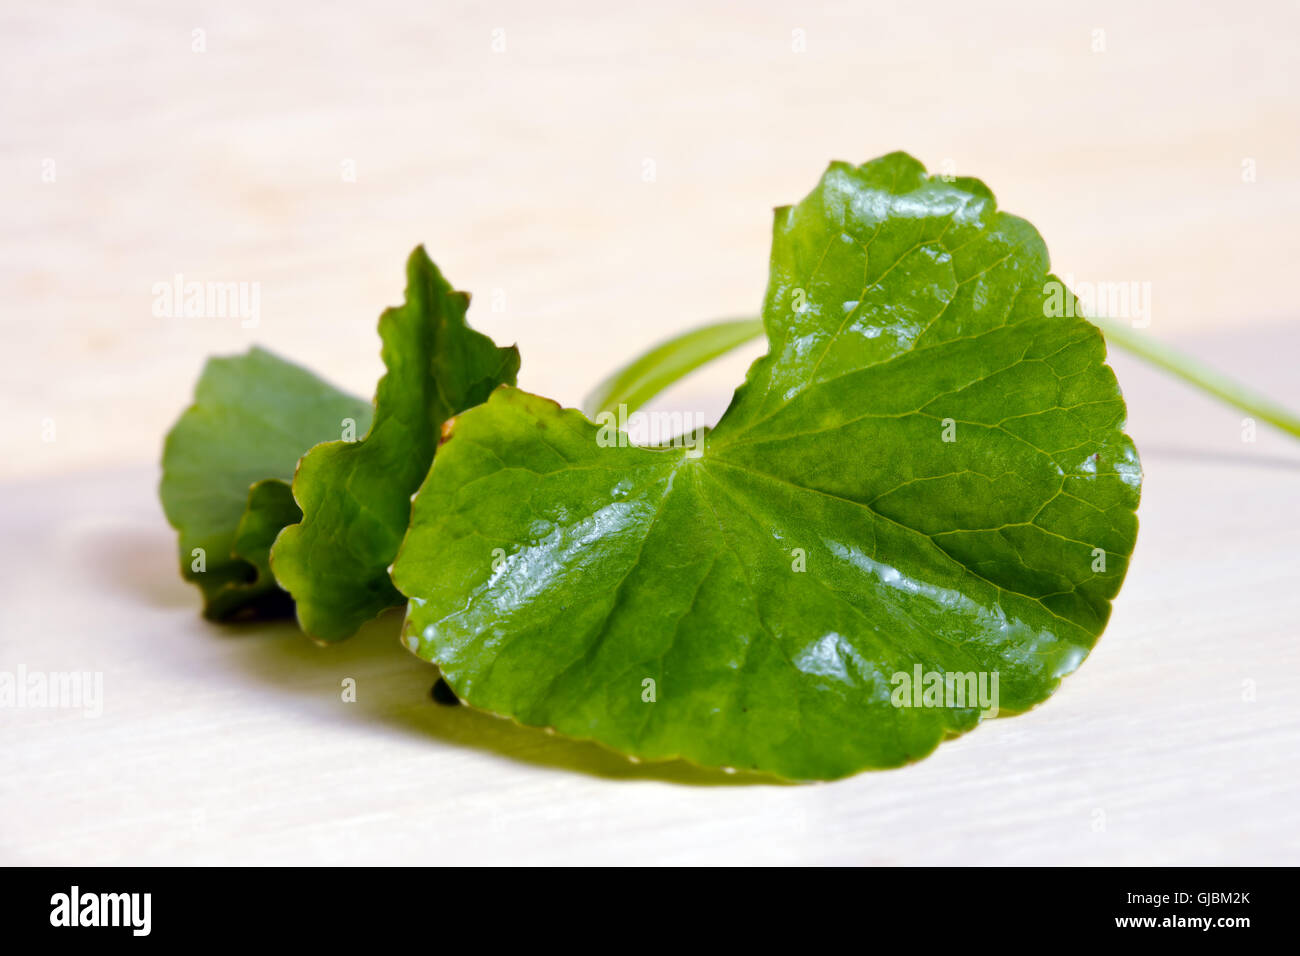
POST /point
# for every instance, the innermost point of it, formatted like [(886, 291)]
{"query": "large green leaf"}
[(253, 416), (356, 495), (926, 471)]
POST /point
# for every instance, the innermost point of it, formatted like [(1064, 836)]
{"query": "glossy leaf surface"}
[(356, 495), (927, 474)]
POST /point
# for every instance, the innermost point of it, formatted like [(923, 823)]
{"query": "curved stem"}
[(1201, 376), (645, 377)]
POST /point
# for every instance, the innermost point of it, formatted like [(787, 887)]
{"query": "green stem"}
[(1201, 376), (645, 377)]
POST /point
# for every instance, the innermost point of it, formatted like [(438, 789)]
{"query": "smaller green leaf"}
[(270, 509), (253, 416), (356, 495)]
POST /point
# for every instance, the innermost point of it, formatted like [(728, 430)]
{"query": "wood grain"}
[(522, 171)]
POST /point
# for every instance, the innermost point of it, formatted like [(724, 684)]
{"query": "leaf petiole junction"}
[(649, 374)]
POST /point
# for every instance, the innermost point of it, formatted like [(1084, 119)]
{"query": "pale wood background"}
[(522, 171)]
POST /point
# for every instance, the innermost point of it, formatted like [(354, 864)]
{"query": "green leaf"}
[(750, 603), (253, 416), (356, 495), (270, 509)]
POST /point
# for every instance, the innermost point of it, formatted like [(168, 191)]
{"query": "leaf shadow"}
[(393, 687), (136, 561)]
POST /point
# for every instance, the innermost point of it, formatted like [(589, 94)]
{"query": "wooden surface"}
[(522, 171)]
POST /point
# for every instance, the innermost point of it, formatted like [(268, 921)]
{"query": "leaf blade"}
[(253, 416), (828, 539), (355, 496)]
